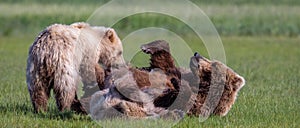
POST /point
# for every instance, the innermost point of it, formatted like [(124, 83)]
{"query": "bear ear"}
[(238, 82), (111, 35), (80, 25), (241, 81)]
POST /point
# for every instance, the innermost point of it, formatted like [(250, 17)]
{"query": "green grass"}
[(261, 41), (270, 97), (229, 19), (223, 2)]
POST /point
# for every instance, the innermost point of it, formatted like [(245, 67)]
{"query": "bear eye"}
[(120, 53)]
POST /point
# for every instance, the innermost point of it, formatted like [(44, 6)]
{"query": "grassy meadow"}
[(261, 42)]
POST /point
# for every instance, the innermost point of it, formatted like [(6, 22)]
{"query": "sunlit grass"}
[(270, 66), (229, 20), (269, 60)]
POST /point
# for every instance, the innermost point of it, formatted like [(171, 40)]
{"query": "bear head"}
[(215, 73)]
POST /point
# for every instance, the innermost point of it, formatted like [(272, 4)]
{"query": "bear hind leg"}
[(65, 91), (39, 95)]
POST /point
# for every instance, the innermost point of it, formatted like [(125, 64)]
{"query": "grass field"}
[(229, 20), (266, 53), (270, 98)]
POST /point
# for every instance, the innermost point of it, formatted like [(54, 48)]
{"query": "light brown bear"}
[(62, 56), (218, 87)]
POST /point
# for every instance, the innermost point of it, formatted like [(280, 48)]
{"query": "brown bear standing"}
[(62, 56)]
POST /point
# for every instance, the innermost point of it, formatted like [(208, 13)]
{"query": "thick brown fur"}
[(162, 59), (100, 75), (160, 81), (62, 56), (226, 83), (143, 78), (123, 97), (224, 80)]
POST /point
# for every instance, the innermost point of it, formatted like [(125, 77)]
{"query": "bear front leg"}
[(77, 106), (100, 76)]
